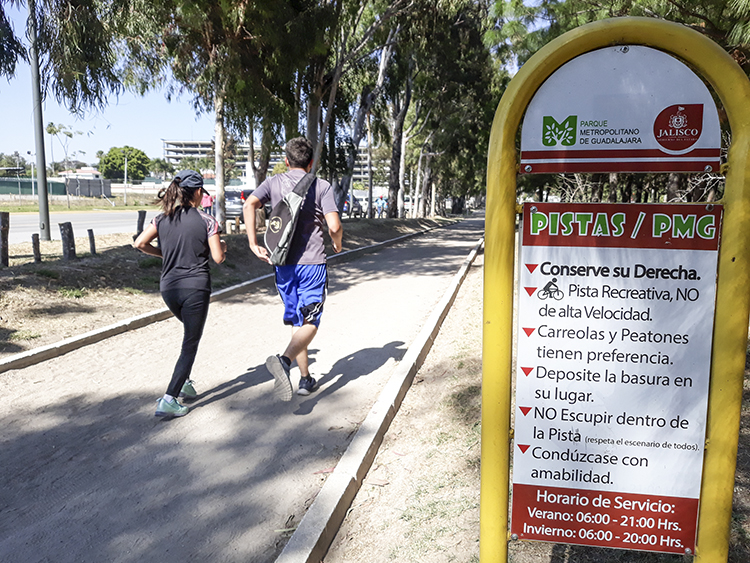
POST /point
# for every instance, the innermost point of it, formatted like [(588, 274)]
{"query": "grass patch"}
[(148, 282), (45, 273), (133, 290), (150, 262), (72, 292), (21, 335)]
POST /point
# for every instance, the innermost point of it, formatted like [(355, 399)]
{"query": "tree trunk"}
[(673, 187), (433, 197), (370, 210), (597, 188), (613, 187), (395, 179), (314, 98), (402, 178), (261, 170), (366, 101), (219, 156), (626, 190), (291, 123), (638, 198), (417, 205), (413, 194), (426, 183)]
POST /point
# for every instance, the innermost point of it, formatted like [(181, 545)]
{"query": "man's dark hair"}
[(299, 152)]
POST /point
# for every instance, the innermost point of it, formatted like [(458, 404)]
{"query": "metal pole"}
[(126, 177), (32, 173), (41, 165)]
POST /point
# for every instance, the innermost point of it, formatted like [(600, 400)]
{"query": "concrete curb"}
[(318, 527), (43, 353)]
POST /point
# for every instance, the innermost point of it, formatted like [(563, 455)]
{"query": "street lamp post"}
[(32, 172), (41, 167), (126, 177)]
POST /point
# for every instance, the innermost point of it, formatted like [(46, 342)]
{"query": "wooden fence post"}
[(35, 247), (141, 221), (68, 241), (4, 228), (92, 242)]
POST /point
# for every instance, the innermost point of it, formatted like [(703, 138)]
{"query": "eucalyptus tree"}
[(348, 31), (460, 83), (523, 29)]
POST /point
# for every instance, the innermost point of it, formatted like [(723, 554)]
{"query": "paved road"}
[(88, 474), (23, 225)]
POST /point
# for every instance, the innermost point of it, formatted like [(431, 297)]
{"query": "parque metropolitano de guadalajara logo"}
[(679, 127)]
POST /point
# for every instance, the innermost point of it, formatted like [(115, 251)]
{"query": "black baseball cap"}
[(190, 179)]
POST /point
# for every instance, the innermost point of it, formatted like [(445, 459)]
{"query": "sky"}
[(140, 122)]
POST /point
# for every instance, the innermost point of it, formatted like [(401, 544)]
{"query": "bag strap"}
[(304, 184)]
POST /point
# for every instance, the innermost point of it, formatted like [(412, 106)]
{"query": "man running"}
[(303, 281)]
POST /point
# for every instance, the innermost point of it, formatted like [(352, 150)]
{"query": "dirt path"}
[(89, 474), (420, 500)]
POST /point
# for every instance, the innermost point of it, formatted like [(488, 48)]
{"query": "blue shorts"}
[(303, 289)]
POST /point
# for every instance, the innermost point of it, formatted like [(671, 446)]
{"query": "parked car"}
[(233, 202), (356, 208)]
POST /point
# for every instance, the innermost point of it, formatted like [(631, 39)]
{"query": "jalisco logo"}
[(679, 127), (563, 133), (274, 224)]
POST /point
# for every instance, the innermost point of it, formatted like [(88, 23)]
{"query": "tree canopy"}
[(112, 164)]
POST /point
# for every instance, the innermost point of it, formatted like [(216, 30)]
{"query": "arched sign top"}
[(628, 108), (731, 85)]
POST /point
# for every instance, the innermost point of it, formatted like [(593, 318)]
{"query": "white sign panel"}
[(614, 347), (621, 109)]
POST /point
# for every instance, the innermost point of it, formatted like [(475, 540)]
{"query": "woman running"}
[(186, 237)]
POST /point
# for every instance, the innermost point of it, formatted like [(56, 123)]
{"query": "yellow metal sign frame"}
[(733, 291)]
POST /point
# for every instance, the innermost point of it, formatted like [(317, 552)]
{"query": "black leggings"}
[(190, 306)]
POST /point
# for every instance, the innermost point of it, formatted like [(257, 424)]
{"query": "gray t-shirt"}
[(307, 246)]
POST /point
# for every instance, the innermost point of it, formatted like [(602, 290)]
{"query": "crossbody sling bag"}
[(283, 221)]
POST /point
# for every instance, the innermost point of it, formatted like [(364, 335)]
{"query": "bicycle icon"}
[(551, 290)]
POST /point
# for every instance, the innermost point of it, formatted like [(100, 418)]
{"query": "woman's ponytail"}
[(175, 196)]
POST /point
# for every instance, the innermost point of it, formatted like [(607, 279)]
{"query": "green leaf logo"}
[(554, 133)]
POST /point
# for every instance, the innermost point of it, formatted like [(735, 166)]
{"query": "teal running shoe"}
[(170, 409), (188, 392)]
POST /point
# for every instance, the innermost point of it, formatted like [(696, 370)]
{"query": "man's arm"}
[(252, 204), (335, 229)]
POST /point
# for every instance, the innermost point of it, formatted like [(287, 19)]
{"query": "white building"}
[(175, 151)]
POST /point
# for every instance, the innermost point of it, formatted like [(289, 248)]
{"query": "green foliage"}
[(51, 274), (112, 164), (161, 168), (150, 262), (279, 168), (20, 335), (11, 48), (14, 160), (72, 292), (132, 290), (77, 60), (516, 26), (197, 164)]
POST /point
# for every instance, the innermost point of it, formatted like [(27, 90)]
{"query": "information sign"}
[(629, 108), (615, 320)]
